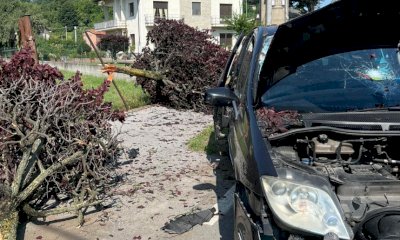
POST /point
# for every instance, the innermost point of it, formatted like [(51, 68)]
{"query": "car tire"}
[(241, 224), (242, 230)]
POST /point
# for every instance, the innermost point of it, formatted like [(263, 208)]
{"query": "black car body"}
[(310, 112)]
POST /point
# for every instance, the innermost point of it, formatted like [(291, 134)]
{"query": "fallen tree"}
[(56, 143), (178, 65)]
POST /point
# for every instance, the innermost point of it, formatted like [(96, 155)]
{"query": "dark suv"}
[(310, 113)]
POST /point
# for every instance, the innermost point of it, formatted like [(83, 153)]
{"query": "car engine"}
[(363, 171)]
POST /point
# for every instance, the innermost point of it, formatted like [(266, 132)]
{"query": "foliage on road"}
[(187, 58), (133, 94), (55, 143)]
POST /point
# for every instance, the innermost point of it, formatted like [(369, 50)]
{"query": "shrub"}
[(83, 48), (55, 142)]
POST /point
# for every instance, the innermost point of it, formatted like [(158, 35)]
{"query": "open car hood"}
[(346, 25)]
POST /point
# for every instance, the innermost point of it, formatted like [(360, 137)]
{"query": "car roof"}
[(342, 26)]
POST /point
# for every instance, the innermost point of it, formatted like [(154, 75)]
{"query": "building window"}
[(225, 40), (132, 42), (196, 8), (131, 9), (273, 3), (225, 10), (283, 2), (160, 9)]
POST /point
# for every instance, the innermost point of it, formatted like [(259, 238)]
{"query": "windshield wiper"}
[(377, 109)]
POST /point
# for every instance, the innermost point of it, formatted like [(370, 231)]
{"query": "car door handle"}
[(235, 110)]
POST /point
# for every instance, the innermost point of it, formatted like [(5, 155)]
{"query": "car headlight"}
[(301, 205)]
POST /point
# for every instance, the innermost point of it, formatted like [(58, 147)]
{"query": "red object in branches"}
[(278, 122)]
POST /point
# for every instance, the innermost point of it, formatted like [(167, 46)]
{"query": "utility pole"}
[(76, 38), (246, 7), (27, 40), (66, 33), (139, 33)]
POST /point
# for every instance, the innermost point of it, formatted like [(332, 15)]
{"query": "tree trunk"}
[(8, 226), (137, 72)]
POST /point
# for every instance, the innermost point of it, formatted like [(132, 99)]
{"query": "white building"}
[(134, 18), (274, 12)]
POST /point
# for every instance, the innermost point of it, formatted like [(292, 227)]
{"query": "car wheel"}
[(242, 229), (242, 226)]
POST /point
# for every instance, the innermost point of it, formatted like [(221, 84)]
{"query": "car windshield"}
[(343, 82)]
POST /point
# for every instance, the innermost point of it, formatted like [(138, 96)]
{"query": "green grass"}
[(205, 142), (133, 94)]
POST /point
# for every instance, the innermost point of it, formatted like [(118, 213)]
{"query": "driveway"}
[(163, 181)]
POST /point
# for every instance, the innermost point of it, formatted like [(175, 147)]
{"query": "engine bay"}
[(358, 153), (363, 171), (344, 158)]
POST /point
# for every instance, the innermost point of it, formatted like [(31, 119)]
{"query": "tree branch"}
[(42, 176), (75, 207), (135, 72)]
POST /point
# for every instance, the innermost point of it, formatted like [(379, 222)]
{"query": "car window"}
[(343, 82), (244, 69), (234, 69)]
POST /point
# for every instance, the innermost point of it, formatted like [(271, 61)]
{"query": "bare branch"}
[(51, 170), (75, 207)]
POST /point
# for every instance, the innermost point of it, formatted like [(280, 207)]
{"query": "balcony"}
[(218, 22), (110, 25), (150, 19)]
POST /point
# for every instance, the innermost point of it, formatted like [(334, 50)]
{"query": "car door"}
[(228, 79), (238, 134)]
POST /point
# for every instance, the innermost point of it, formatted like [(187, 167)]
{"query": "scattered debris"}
[(186, 222)]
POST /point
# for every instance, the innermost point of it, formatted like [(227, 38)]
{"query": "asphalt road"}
[(163, 181)]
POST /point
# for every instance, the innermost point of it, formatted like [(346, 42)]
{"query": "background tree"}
[(10, 12), (68, 15), (84, 12), (89, 12), (304, 5), (55, 143), (83, 48), (241, 23), (52, 15), (114, 43)]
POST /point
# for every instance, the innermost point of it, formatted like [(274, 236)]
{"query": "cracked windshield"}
[(343, 82)]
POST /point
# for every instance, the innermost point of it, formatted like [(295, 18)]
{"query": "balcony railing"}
[(150, 19), (108, 25), (218, 21)]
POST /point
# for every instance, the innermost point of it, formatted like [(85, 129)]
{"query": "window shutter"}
[(162, 5), (225, 10)]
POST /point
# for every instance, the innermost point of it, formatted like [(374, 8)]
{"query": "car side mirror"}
[(220, 97)]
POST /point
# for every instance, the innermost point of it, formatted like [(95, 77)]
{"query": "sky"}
[(325, 2)]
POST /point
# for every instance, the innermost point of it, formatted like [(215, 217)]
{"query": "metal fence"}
[(7, 52)]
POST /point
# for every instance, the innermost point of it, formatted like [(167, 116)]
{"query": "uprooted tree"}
[(56, 143), (182, 63)]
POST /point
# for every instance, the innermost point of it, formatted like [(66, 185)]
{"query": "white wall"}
[(216, 35), (236, 6), (173, 7), (136, 24)]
